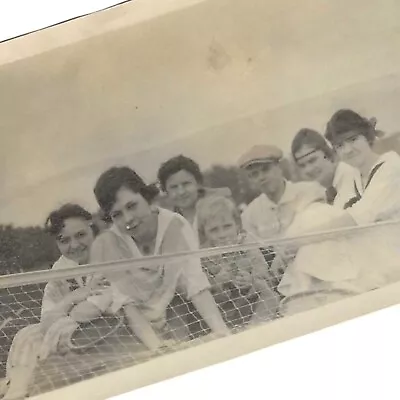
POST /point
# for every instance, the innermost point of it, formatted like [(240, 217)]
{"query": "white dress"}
[(345, 181), (345, 261), (362, 260), (152, 288), (38, 341), (380, 200)]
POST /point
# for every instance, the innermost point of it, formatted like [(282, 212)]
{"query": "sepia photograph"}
[(174, 181)]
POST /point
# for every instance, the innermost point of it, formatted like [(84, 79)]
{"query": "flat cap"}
[(260, 154)]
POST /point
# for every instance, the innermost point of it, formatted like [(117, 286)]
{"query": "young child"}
[(240, 281)]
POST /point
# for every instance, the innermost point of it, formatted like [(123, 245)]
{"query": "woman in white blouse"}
[(353, 137), (365, 259)]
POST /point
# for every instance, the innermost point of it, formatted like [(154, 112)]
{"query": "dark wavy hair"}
[(176, 164), (115, 178), (345, 121), (55, 222)]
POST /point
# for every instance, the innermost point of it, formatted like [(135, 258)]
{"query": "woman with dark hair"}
[(180, 177), (378, 198), (317, 161), (74, 231), (65, 302), (141, 229), (369, 258)]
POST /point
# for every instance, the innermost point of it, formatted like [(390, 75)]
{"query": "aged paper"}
[(140, 84)]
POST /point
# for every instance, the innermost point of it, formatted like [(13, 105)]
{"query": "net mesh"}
[(245, 282)]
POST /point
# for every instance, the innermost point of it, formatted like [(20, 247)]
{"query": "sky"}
[(192, 82)]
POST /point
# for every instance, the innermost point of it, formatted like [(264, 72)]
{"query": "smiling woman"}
[(70, 226), (146, 293), (65, 304), (317, 161), (378, 193)]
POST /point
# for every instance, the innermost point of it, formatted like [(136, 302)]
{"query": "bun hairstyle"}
[(115, 178), (345, 121), (56, 220)]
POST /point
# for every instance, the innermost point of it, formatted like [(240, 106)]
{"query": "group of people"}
[(344, 184)]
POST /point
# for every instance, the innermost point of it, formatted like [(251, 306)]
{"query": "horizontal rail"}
[(33, 277)]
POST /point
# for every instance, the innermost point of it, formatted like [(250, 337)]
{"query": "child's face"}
[(221, 230), (183, 189)]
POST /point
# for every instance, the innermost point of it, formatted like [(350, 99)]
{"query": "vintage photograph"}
[(188, 178)]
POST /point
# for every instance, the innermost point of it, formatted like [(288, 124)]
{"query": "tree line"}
[(25, 249), (30, 248)]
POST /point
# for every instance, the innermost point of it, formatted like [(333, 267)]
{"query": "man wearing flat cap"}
[(270, 214)]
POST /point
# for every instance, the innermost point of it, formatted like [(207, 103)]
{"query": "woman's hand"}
[(80, 294), (65, 306), (212, 265)]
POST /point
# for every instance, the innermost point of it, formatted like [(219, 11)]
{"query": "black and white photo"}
[(190, 177)]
